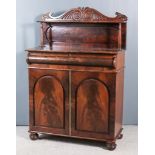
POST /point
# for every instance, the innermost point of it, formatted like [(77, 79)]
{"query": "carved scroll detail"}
[(85, 14)]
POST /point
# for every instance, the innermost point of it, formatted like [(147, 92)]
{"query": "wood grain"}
[(49, 99), (76, 76), (92, 106), (103, 86), (49, 102)]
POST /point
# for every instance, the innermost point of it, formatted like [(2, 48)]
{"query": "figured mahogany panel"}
[(106, 34), (92, 103), (48, 91), (49, 102), (102, 35)]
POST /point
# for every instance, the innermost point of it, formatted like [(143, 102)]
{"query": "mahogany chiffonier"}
[(76, 76)]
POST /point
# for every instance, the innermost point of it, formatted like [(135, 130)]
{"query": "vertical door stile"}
[(70, 106)]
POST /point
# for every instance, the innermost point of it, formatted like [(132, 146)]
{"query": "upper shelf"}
[(82, 15)]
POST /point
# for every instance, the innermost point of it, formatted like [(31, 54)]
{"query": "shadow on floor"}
[(72, 140), (25, 134)]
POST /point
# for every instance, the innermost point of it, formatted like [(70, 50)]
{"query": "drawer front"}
[(73, 59)]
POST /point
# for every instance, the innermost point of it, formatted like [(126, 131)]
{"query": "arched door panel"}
[(92, 101), (49, 102), (49, 108)]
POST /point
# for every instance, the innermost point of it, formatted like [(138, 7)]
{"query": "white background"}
[(146, 77)]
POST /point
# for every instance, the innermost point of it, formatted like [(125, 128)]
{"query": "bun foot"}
[(34, 136), (120, 136), (111, 146)]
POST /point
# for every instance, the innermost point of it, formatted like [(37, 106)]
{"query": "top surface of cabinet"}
[(82, 30)]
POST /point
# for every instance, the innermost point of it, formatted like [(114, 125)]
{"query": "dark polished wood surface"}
[(76, 76), (84, 15), (49, 99), (74, 48), (75, 36), (92, 104)]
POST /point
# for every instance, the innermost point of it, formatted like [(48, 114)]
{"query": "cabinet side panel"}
[(123, 35), (119, 101)]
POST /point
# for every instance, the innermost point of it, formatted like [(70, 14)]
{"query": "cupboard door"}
[(92, 104), (49, 100)]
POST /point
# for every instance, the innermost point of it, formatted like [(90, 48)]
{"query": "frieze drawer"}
[(72, 60)]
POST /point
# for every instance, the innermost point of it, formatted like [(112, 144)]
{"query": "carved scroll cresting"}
[(83, 14)]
